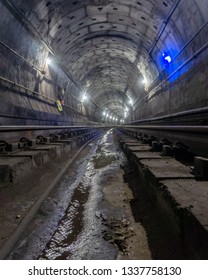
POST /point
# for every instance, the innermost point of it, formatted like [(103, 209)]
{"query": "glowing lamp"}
[(84, 97), (48, 61), (166, 58)]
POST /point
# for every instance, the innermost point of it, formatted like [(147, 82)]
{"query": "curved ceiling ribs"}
[(104, 44)]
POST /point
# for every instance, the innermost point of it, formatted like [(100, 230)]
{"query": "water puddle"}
[(92, 226), (103, 159), (69, 227)]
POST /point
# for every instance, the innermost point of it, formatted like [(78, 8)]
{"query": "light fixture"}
[(84, 97), (48, 61), (130, 101), (166, 58), (104, 113), (144, 81)]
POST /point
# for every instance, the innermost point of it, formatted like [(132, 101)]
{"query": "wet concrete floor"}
[(89, 215)]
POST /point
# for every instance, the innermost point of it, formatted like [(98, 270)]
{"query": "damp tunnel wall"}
[(181, 85), (104, 49), (29, 86)]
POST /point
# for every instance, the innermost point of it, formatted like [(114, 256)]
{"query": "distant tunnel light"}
[(48, 61), (84, 97), (144, 81), (130, 101)]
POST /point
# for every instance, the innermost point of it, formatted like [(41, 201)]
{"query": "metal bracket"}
[(25, 143), (5, 147)]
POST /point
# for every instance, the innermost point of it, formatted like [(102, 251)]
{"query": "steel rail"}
[(195, 138), (16, 235), (182, 128), (44, 127)]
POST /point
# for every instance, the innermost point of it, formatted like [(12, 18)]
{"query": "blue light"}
[(166, 59)]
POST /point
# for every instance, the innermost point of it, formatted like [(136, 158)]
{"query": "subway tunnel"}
[(132, 73)]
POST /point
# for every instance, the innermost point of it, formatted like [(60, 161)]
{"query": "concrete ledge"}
[(130, 150), (52, 150), (179, 198), (71, 142), (13, 169), (36, 156), (187, 200), (132, 142), (165, 168), (16, 230), (14, 166), (201, 167), (139, 146), (167, 150), (146, 155)]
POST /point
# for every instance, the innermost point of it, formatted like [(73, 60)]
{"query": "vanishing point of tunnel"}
[(104, 129)]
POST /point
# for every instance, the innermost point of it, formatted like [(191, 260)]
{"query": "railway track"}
[(31, 146), (29, 174), (191, 139), (175, 189), (81, 219), (13, 134), (23, 149), (34, 147)]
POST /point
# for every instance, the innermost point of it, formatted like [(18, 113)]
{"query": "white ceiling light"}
[(48, 61), (84, 97)]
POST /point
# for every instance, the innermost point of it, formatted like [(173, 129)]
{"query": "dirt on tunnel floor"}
[(93, 213), (98, 223)]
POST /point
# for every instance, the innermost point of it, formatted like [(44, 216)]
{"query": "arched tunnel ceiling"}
[(104, 44)]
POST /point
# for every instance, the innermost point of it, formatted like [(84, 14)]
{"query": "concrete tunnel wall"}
[(188, 91), (182, 32), (182, 85), (22, 63)]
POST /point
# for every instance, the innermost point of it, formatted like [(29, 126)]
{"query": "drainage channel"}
[(98, 223), (98, 212)]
